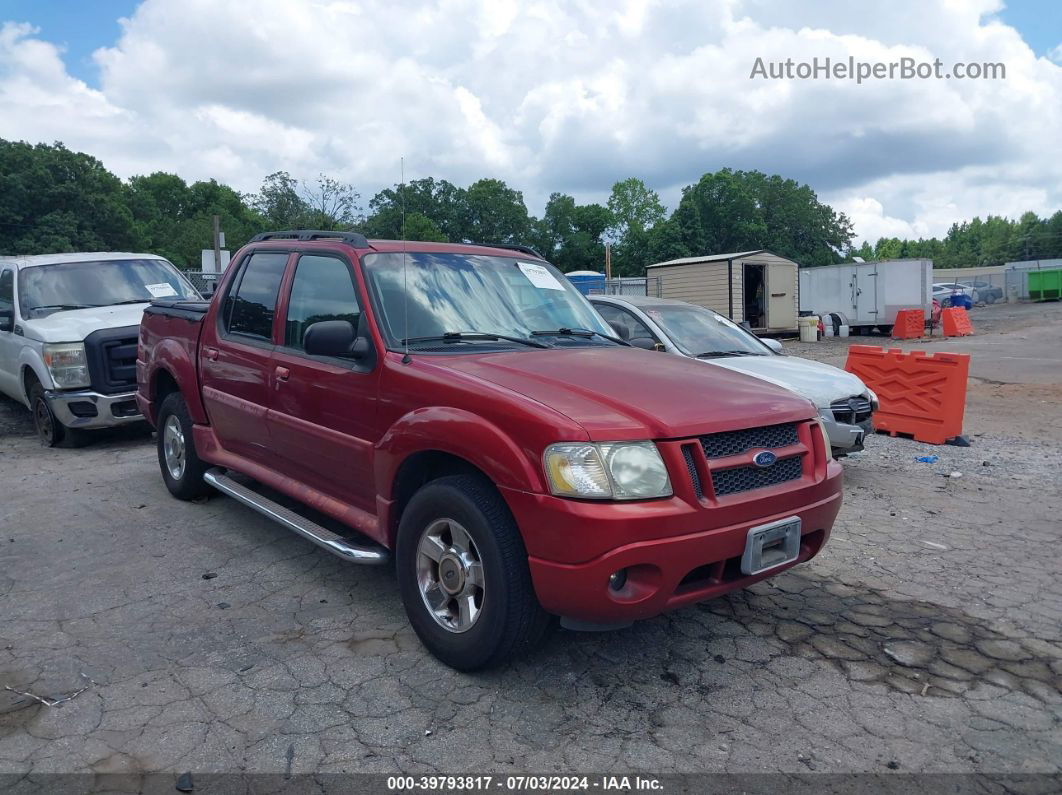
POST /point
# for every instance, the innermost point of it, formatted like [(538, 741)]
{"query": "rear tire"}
[(182, 470), (50, 431), (464, 577)]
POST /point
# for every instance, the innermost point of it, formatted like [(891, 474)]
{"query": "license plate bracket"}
[(768, 546)]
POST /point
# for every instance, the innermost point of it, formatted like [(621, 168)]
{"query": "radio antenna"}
[(402, 234)]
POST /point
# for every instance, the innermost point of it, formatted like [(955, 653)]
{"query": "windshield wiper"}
[(463, 336), (130, 301), (715, 354), (579, 332), (63, 307)]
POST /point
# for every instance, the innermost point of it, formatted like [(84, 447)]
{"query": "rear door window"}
[(323, 289), (252, 302)]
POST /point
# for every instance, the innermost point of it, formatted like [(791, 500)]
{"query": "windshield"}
[(698, 331), (45, 289), (446, 293)]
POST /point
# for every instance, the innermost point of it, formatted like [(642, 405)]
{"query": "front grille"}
[(727, 443), (691, 468), (112, 359), (747, 478), (119, 358), (852, 410)]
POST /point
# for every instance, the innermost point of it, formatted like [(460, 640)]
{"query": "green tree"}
[(635, 210), (741, 210), (330, 204), (279, 203), (496, 213), (439, 201), (419, 227), (52, 199), (666, 243), (572, 235)]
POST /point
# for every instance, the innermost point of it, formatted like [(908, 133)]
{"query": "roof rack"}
[(513, 247), (355, 239)]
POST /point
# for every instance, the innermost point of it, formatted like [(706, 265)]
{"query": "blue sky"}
[(82, 26)]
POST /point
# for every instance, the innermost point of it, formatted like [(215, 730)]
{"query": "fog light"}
[(618, 580)]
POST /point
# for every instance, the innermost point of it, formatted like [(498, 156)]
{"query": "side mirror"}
[(621, 330), (773, 344), (645, 343), (334, 338), (7, 319)]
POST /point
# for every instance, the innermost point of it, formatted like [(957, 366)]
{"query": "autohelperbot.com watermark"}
[(905, 68)]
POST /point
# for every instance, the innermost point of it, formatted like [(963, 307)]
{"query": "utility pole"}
[(217, 244), (608, 260)]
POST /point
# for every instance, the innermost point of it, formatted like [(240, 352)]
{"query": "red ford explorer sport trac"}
[(462, 412)]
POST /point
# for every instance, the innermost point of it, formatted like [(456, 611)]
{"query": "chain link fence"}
[(628, 285), (202, 281)]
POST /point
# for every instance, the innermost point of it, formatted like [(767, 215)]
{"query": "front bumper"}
[(845, 437), (88, 409), (663, 571)]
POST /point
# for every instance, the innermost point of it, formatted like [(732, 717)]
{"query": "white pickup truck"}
[(69, 325)]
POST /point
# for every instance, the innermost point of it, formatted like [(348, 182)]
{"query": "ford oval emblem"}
[(764, 458)]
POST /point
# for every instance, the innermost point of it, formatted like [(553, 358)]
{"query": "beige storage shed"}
[(754, 286)]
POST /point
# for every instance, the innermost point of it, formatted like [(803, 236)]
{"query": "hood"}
[(820, 383), (76, 324), (627, 393)]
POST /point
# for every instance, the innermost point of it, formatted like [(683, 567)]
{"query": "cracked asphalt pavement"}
[(927, 637)]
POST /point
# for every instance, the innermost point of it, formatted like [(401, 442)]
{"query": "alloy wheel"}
[(173, 447), (450, 575)]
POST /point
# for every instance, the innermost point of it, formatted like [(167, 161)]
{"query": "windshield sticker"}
[(160, 290), (540, 276)]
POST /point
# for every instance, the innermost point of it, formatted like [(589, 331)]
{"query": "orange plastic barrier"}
[(921, 394), (910, 324), (956, 322)]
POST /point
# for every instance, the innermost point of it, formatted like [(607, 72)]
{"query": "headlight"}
[(607, 470), (68, 364), (825, 439), (874, 405)]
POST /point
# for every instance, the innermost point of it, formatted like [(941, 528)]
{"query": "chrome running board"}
[(369, 554)]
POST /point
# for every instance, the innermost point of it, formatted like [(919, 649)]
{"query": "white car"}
[(844, 402), (945, 292), (69, 325)]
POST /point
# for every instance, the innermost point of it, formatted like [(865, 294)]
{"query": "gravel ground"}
[(927, 637)]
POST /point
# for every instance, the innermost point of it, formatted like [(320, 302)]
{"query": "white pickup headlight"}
[(825, 439), (68, 364), (874, 404), (607, 470)]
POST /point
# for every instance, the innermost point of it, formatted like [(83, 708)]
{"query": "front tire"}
[(182, 470), (50, 430), (463, 575)]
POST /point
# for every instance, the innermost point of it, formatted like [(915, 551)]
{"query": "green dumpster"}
[(1045, 285)]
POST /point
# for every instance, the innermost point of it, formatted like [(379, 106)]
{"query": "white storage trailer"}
[(868, 294)]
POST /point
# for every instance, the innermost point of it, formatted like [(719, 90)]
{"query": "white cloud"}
[(561, 96)]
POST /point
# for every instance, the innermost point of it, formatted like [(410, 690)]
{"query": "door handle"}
[(212, 354), (282, 373)]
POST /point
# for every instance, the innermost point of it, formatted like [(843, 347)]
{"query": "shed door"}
[(781, 301)]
